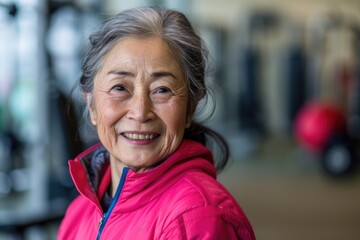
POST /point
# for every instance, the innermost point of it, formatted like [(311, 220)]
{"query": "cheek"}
[(106, 126), (108, 113), (175, 116)]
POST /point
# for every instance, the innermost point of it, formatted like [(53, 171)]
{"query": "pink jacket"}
[(179, 199)]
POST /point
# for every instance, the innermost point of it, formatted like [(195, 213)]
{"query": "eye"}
[(162, 90), (161, 94), (119, 88)]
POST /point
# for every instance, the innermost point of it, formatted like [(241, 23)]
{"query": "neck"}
[(117, 168), (116, 172)]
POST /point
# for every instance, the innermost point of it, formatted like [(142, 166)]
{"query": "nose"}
[(140, 108)]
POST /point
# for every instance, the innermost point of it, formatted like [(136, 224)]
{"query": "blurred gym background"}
[(287, 92)]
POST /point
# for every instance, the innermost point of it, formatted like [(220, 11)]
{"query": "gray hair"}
[(172, 26), (187, 46)]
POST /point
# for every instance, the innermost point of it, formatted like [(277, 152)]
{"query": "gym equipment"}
[(338, 157), (315, 124), (321, 128), (328, 125), (272, 86)]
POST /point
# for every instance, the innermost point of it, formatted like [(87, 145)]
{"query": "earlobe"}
[(90, 106)]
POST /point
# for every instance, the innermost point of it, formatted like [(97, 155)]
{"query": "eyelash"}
[(158, 90), (162, 90), (116, 87)]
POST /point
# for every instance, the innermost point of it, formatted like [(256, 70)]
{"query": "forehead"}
[(153, 52)]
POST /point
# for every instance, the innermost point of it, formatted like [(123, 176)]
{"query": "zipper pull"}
[(101, 221)]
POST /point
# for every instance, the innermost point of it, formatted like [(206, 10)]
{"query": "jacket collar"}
[(91, 174)]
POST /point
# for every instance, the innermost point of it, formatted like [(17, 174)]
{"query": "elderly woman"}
[(151, 177)]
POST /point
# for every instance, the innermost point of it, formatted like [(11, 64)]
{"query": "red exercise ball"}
[(316, 123)]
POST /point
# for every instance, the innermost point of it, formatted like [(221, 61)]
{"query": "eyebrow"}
[(153, 75), (120, 73), (162, 74)]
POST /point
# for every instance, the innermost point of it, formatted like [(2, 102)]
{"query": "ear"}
[(90, 106)]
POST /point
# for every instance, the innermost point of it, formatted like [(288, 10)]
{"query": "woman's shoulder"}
[(209, 189), (202, 205), (198, 190)]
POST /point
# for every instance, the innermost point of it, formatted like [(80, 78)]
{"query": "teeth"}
[(136, 136)]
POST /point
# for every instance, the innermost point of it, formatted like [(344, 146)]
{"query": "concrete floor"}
[(286, 196)]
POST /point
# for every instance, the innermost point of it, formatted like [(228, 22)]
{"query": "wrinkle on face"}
[(140, 66)]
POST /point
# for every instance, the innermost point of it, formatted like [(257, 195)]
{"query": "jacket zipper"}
[(104, 218)]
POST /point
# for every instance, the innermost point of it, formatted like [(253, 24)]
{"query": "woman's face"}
[(139, 102)]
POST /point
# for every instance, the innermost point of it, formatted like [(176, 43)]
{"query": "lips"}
[(140, 136)]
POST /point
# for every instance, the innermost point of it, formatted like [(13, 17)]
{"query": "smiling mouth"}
[(138, 136)]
